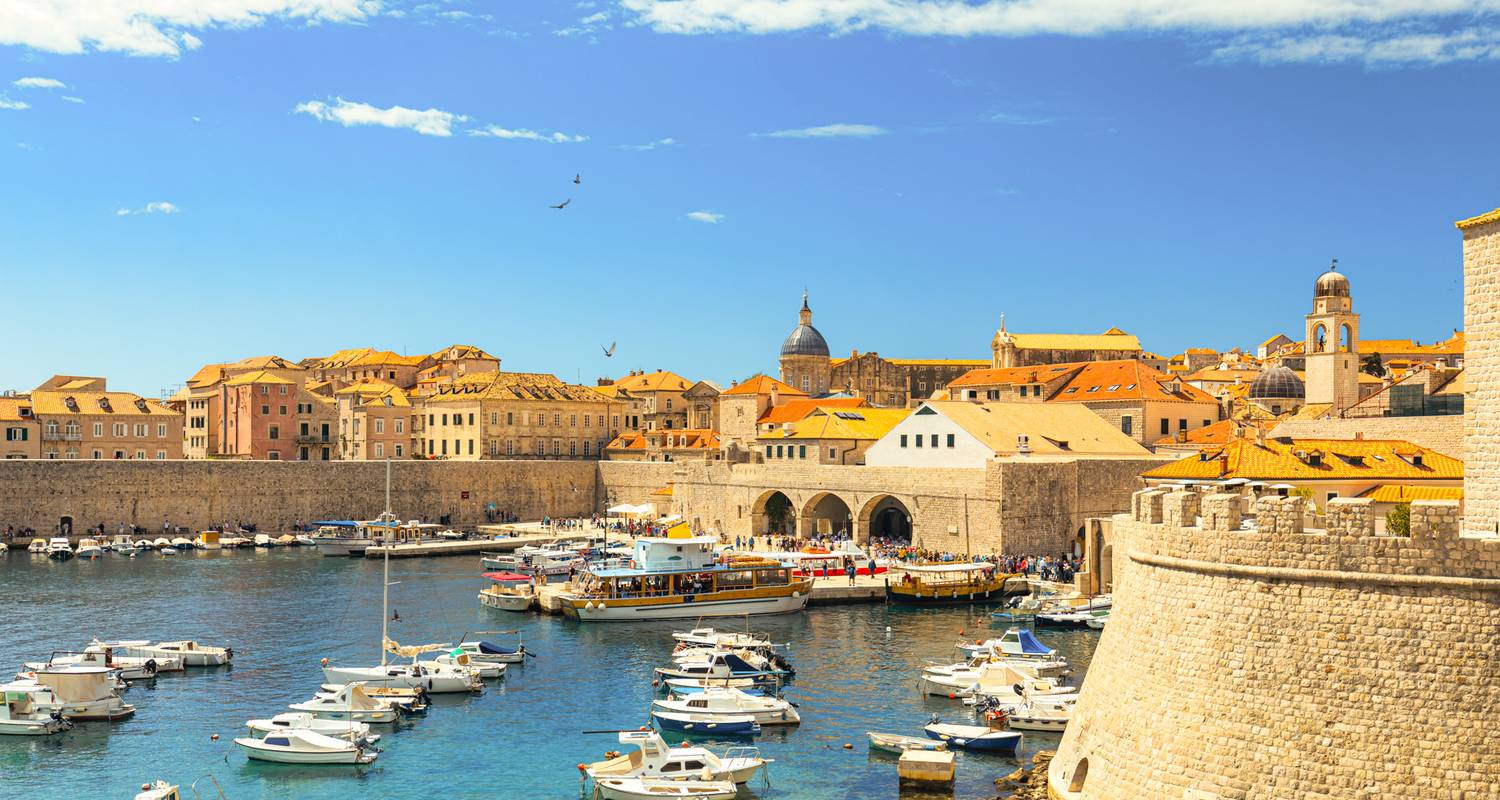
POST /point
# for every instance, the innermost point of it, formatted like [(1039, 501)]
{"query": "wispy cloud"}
[(39, 83), (709, 217), (1373, 48), (498, 132), (1011, 118), (71, 99), (158, 207), (667, 142), (431, 122), (840, 130), (13, 105), (160, 28)]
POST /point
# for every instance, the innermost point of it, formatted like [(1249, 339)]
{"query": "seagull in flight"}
[(578, 179), (609, 352), (563, 204)]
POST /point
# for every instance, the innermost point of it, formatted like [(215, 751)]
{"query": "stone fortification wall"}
[(1282, 662), (633, 481), (1044, 503), (1443, 434), (1482, 372), (274, 494)]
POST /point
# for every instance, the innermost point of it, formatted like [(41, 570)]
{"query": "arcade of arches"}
[(829, 514)]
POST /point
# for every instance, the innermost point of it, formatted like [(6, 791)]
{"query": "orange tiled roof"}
[(1339, 459), (1404, 493), (654, 382), (1220, 432), (1125, 380), (762, 384), (1012, 375), (794, 410), (52, 402), (10, 408), (671, 438)]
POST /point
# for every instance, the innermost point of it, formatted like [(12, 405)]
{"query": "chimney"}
[(1260, 435), (1023, 444), (1359, 436)]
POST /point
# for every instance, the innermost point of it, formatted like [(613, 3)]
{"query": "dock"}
[(458, 547)]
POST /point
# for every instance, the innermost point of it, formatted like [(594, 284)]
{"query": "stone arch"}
[(1320, 338), (1080, 774), (827, 506), (1107, 569), (886, 516), (1346, 338), (764, 521)]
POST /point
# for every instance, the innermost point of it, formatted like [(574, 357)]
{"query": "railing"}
[(312, 438), (61, 436)]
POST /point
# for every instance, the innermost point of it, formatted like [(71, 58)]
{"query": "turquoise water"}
[(285, 609)]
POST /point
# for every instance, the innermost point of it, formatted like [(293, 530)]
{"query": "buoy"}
[(213, 737), (848, 746), (581, 767), (145, 787), (325, 662)]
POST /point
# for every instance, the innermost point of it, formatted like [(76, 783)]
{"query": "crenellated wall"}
[(1251, 657)]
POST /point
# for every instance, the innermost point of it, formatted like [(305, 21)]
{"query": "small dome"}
[(805, 341), (1277, 383), (1331, 284)]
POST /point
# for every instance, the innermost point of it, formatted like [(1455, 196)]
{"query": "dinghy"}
[(974, 737), (301, 720), (715, 724), (298, 746), (896, 743), (653, 758), (159, 790), (644, 789)]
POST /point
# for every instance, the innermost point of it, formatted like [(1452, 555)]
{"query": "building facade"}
[(513, 415), (80, 419)]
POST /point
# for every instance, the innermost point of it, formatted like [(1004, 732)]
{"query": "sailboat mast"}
[(385, 578)]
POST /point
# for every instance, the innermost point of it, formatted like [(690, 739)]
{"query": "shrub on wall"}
[(1398, 521)]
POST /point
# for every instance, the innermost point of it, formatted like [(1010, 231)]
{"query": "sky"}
[(192, 181)]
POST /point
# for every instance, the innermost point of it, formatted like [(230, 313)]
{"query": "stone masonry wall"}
[(1443, 434), (633, 481), (1482, 376), (1284, 662)]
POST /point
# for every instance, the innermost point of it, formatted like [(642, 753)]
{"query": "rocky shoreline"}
[(1027, 784)]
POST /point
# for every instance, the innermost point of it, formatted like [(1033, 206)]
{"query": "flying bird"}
[(609, 352), (577, 178), (563, 204)]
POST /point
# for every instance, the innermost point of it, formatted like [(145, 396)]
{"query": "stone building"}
[(741, 407), (1481, 249), (270, 417), (665, 445), (1332, 344), (961, 433), (1278, 391), (702, 400), (1030, 349), (1427, 390), (656, 400), (23, 433), (79, 418), (204, 395), (510, 415), (376, 420), (828, 434)]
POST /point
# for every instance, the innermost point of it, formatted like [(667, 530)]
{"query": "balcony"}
[(314, 438), (62, 436)]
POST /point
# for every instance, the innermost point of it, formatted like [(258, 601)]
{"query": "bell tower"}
[(1332, 343)]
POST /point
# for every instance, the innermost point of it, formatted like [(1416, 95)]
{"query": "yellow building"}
[(830, 435), (23, 434), (375, 421), (80, 418), (515, 415), (665, 445)]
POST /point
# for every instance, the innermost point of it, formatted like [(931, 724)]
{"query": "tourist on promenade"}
[(849, 570)]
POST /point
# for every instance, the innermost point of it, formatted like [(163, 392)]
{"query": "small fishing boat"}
[(722, 701), (974, 737), (429, 676), (169, 551), (262, 540), (306, 541), (59, 548), (181, 543), (20, 717), (123, 546), (299, 746), (457, 657), (716, 724), (1097, 623), (650, 789), (301, 720), (1014, 643), (709, 637), (131, 668), (77, 692), (89, 549), (896, 743), (409, 702), (158, 790), (1074, 617), (715, 665), (286, 540), (145, 544), (654, 758), (350, 702), (483, 652), (209, 540), (1075, 610), (38, 547), (190, 653), (979, 674), (510, 591), (1031, 716)]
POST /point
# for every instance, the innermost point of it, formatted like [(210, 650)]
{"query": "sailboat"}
[(427, 675)]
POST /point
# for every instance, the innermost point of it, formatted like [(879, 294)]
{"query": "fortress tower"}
[(1332, 344)]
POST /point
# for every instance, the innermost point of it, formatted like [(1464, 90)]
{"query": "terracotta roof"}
[(1272, 340), (1200, 351), (512, 386), (1220, 432), (923, 362), (1339, 459), (265, 362), (690, 438), (257, 376), (793, 410), (1214, 373), (374, 358), (10, 408), (654, 382), (1471, 222), (1405, 493), (120, 404), (1126, 379), (375, 393), (835, 422), (762, 384), (206, 374), (458, 352), (1014, 375), (1050, 429)]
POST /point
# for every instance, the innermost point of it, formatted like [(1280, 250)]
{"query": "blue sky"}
[(184, 181)]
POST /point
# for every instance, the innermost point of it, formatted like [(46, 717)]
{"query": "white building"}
[(956, 433)]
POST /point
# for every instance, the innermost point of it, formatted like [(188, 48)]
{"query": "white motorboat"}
[(301, 746), (59, 548), (896, 743), (349, 703), (1032, 716), (535, 561), (999, 680), (1075, 610), (160, 542), (456, 657), (75, 692), (301, 720), (144, 544), (1097, 623), (709, 637), (510, 591), (690, 684), (19, 716), (344, 539), (131, 668), (4, 548), (187, 651), (728, 701), (158, 790), (305, 541), (654, 758), (483, 652), (123, 546), (652, 789), (974, 737), (262, 540), (38, 547), (1014, 643), (89, 548), (429, 676)]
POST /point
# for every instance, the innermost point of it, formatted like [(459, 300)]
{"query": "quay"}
[(832, 591)]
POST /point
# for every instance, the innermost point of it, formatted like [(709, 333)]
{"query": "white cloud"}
[(431, 122), (835, 131), (13, 105), (39, 83), (498, 132), (155, 27), (157, 207), (667, 142), (72, 99), (710, 217), (1010, 118), (594, 19), (1374, 49)]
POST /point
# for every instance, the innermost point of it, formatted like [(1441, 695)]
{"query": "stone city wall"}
[(1285, 662), (1482, 374), (633, 482), (1443, 434)]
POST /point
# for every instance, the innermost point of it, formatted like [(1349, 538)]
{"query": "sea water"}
[(283, 610)]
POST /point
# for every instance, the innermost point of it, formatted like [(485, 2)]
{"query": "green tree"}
[(777, 509), (1372, 365), (1398, 521)]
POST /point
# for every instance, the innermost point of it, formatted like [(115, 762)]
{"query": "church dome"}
[(1331, 284), (1277, 383), (805, 341)]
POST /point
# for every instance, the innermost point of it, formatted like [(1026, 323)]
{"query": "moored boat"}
[(949, 583), (349, 702), (650, 789), (19, 716), (77, 692), (706, 724), (89, 549), (654, 758), (38, 547), (510, 591), (58, 548), (722, 701), (209, 540), (300, 746), (974, 737), (709, 637), (300, 720), (158, 790), (896, 743)]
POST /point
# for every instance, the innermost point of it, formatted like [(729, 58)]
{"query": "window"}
[(356, 426), (903, 440), (586, 444), (429, 447), (950, 440), (471, 447), (399, 450), (992, 394), (494, 417), (805, 386), (274, 455), (429, 419), (573, 420), (778, 450), (281, 410), (510, 446), (541, 420), (556, 447), (380, 426), (1113, 387), (140, 431), (161, 430), (973, 394), (120, 430), (934, 440), (282, 387), (669, 404), (557, 420), (1181, 424), (445, 419), (445, 447), (573, 448), (98, 429), (585, 420), (614, 421), (832, 454), (265, 389), (918, 437), (471, 419), (400, 425), (1126, 425), (265, 410), (1166, 427), (98, 454), (379, 450), (275, 432), (1207, 422), (802, 451)]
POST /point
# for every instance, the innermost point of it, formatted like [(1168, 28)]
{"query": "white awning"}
[(957, 566), (623, 508)]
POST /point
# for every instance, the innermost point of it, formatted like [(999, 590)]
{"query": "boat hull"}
[(622, 611), (31, 727), (256, 749), (505, 602), (338, 546), (629, 789), (980, 740), (896, 596), (379, 677), (684, 723)]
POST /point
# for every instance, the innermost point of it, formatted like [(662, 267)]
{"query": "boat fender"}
[(601, 606), (589, 605), (796, 594)]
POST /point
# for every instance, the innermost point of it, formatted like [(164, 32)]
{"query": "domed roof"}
[(1277, 383), (1331, 284), (805, 341)]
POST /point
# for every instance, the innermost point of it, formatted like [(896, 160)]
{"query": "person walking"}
[(849, 570)]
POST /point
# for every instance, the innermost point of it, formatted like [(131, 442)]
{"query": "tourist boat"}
[(76, 692), (726, 701), (706, 724), (510, 591), (89, 548), (823, 562), (59, 548), (209, 540), (654, 758), (945, 583), (349, 702), (158, 790), (298, 746), (652, 789), (187, 651), (896, 743), (21, 717), (708, 637), (348, 730), (38, 547), (974, 737), (680, 577)]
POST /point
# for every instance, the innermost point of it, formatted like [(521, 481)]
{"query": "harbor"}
[(285, 609)]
